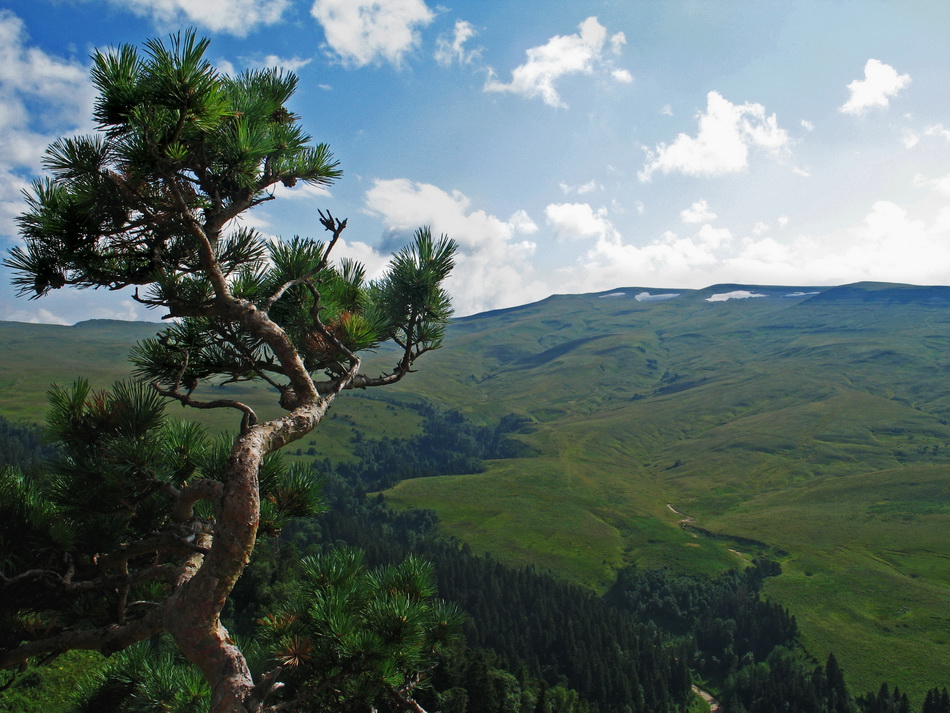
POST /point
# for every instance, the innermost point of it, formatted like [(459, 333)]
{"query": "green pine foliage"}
[(348, 637), (936, 701), (176, 136), (355, 638), (119, 467), (345, 636), (725, 615), (148, 677)]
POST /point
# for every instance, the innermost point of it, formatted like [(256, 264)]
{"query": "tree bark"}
[(193, 613)]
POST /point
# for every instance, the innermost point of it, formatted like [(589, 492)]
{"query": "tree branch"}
[(108, 639), (164, 542), (250, 418), (202, 489), (267, 684), (31, 588), (334, 226)]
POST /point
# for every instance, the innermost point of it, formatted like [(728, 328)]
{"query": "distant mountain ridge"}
[(882, 292), (935, 295)]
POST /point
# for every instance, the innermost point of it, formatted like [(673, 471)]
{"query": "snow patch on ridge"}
[(647, 297), (735, 295)]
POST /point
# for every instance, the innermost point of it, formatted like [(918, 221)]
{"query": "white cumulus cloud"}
[(39, 315), (911, 138), (234, 17), (363, 32), (622, 75), (938, 130), (699, 212), (888, 244), (669, 259), (452, 49), (578, 221), (301, 192), (580, 53), (493, 268), (880, 83), (582, 189), (713, 238), (727, 131), (289, 64), (611, 261), (892, 243), (941, 184), (522, 223), (41, 97)]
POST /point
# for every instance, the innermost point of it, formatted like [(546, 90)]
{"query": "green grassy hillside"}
[(38, 355), (812, 428), (809, 425)]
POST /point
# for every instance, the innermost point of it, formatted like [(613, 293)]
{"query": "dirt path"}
[(714, 706), (686, 519)]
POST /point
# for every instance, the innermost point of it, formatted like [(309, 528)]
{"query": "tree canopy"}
[(141, 526)]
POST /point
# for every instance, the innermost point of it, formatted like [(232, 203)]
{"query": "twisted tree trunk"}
[(193, 614)]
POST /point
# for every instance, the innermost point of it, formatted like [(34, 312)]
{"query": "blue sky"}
[(568, 146)]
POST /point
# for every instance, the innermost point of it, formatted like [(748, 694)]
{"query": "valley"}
[(813, 425), (808, 428)]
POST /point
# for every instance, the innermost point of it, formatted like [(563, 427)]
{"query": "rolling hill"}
[(693, 429)]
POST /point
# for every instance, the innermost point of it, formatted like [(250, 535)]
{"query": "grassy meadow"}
[(810, 426), (811, 429), (37, 356)]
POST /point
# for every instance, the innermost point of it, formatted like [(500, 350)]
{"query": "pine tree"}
[(151, 202), (837, 698)]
